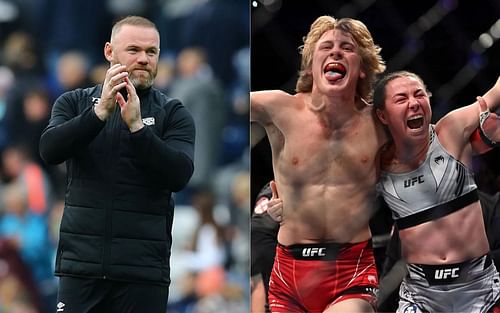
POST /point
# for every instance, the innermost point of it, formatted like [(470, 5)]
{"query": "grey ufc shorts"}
[(472, 286)]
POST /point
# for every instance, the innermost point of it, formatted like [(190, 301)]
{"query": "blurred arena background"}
[(453, 45), (50, 46)]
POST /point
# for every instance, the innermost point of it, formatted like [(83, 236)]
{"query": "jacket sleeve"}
[(70, 129), (169, 159)]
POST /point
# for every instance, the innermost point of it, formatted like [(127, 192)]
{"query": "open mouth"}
[(415, 122), (334, 71)]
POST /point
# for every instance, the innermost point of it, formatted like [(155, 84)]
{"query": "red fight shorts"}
[(312, 277)]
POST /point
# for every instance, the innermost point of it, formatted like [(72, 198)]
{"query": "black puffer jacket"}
[(118, 211)]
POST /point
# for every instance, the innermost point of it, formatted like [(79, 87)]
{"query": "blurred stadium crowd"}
[(51, 46)]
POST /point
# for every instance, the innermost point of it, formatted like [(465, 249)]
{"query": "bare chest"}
[(318, 153)]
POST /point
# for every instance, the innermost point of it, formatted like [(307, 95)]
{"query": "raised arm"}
[(460, 124), (266, 105), (487, 135), (168, 158), (72, 126)]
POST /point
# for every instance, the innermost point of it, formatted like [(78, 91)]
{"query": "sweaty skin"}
[(440, 241), (325, 147), (325, 175)]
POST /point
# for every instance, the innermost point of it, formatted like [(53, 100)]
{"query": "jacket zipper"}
[(115, 133)]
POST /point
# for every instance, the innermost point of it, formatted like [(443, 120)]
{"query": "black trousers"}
[(81, 295)]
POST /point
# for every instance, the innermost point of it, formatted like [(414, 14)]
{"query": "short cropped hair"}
[(133, 20)]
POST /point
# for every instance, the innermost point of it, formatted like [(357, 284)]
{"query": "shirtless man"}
[(325, 145)]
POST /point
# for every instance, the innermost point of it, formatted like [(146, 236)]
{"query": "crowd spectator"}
[(50, 46)]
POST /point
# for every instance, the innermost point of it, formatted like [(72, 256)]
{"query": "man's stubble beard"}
[(139, 83), (136, 81)]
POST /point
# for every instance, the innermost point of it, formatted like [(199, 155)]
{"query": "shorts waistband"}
[(450, 273), (327, 251)]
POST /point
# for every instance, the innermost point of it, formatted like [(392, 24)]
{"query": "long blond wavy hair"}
[(371, 60)]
